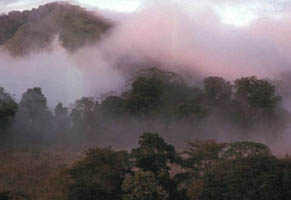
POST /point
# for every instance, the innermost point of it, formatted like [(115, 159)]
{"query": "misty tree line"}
[(153, 95), (155, 170)]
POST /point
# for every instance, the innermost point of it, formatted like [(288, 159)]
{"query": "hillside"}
[(27, 31)]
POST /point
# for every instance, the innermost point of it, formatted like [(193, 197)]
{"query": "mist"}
[(168, 34), (192, 43)]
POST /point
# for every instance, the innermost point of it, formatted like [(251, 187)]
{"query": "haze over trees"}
[(155, 98), (164, 136)]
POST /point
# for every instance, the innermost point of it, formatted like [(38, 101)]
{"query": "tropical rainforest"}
[(165, 134)]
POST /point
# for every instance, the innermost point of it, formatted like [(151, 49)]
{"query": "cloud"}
[(64, 77), (200, 42), (196, 42)]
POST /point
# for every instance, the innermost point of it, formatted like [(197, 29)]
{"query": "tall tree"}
[(34, 104), (256, 98), (217, 90), (153, 154), (8, 108), (34, 115), (84, 115)]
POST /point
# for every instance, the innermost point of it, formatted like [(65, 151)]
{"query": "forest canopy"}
[(155, 98)]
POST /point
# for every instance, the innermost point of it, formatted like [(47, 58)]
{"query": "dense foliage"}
[(205, 169), (8, 108), (99, 175)]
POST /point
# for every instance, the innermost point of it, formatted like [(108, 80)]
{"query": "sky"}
[(235, 12)]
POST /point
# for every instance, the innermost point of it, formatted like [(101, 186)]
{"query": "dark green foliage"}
[(153, 154), (85, 106), (226, 171), (8, 108), (98, 175), (33, 106), (157, 93), (143, 185), (34, 120), (255, 93), (84, 115), (145, 96), (190, 104), (253, 178), (202, 155), (217, 90), (238, 170), (238, 150), (256, 99), (113, 106)]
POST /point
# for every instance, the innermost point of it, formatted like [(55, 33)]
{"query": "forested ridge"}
[(33, 30)]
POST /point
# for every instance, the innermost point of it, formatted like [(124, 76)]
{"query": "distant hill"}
[(28, 31)]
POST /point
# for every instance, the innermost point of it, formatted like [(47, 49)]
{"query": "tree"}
[(113, 106), (8, 108), (33, 116), (99, 175), (61, 111), (61, 117), (202, 155), (189, 103), (143, 185), (252, 178), (244, 149), (217, 90), (153, 154), (256, 98), (84, 114), (165, 95), (33, 105), (144, 96)]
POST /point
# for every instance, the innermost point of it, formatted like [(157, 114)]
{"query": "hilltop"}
[(33, 30)]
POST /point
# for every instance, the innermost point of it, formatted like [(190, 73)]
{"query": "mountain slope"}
[(27, 31)]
